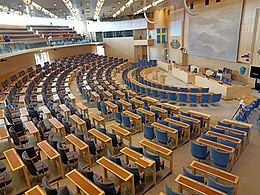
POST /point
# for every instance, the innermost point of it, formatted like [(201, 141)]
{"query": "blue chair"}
[(142, 115), (98, 106), (104, 110), (118, 117), (102, 130), (236, 135), (191, 123), (199, 118), (159, 164), (115, 141), (183, 89), (156, 112), (132, 110), (219, 158), (116, 160), (198, 151), (163, 95), (172, 96), (126, 121), (170, 192), (185, 114), (204, 90), (204, 99), (192, 176), (228, 143), (215, 98), (179, 128), (245, 129), (148, 91), (162, 137), (217, 130), (108, 187), (137, 149), (162, 122), (193, 100), (182, 98), (223, 188), (146, 107), (211, 138), (194, 90), (155, 93), (138, 176), (94, 148), (148, 132), (175, 118), (174, 88), (224, 124)]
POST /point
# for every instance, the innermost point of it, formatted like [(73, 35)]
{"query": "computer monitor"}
[(13, 78), (255, 72), (21, 73)]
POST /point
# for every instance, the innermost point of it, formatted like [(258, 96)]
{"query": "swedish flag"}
[(161, 35)]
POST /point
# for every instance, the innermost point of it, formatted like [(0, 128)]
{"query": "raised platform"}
[(187, 77)]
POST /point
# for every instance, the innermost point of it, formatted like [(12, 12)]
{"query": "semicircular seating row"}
[(165, 92)]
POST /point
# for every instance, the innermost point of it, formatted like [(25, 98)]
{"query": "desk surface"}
[(82, 106), (214, 171), (173, 107), (164, 128), (132, 115), (233, 122), (161, 110), (99, 135), (31, 127), (77, 119), (150, 99), (36, 190), (45, 110), (57, 124), (13, 159), (184, 125), (3, 132), (119, 129), (84, 184), (115, 169), (64, 108), (96, 117), (197, 186), (223, 136), (50, 152), (196, 113), (216, 145), (156, 147), (149, 113), (76, 142)]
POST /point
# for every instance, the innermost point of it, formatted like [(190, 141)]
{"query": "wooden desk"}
[(80, 123), (121, 132), (185, 183), (126, 105), (206, 117), (111, 87), (117, 170), (100, 88), (137, 102), (39, 90), (65, 110), (54, 90), (21, 100), (82, 146), (148, 114), (162, 112), (52, 154), (36, 190), (108, 95), (2, 115), (96, 118), (131, 93), (24, 113), (33, 130), (150, 100), (160, 150), (103, 138), (237, 123), (83, 109), (228, 138), (196, 122), (58, 126), (219, 146), (120, 94), (174, 109), (135, 117), (46, 111), (67, 90), (219, 174), (185, 127), (112, 107), (23, 91), (16, 163), (95, 96), (72, 98), (83, 184), (140, 160), (173, 132), (4, 134), (56, 98), (40, 100)]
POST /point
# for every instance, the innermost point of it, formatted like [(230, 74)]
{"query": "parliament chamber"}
[(125, 97)]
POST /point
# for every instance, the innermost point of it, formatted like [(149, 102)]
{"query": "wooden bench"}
[(97, 119)]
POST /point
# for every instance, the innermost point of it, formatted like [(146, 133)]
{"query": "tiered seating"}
[(18, 33)]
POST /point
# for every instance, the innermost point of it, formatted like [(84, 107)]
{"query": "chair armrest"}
[(142, 173), (2, 178), (34, 157), (40, 165), (99, 178), (117, 187), (86, 168), (55, 183)]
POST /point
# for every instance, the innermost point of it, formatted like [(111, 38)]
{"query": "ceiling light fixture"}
[(99, 6), (7, 9), (122, 9), (73, 11), (40, 8), (155, 3)]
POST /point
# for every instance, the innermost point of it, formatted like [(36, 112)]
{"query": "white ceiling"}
[(86, 7)]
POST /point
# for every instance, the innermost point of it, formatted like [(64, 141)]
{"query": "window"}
[(42, 57), (206, 2), (191, 5)]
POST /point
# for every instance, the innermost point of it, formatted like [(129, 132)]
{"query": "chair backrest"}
[(91, 144), (219, 158), (102, 130), (205, 98), (204, 90), (30, 151), (182, 97), (156, 158), (161, 136), (194, 90), (217, 130), (51, 140), (172, 96), (103, 108), (236, 135), (48, 189), (14, 136), (216, 97), (224, 124), (62, 152), (116, 160), (228, 143), (192, 98), (133, 170), (118, 117), (98, 106), (162, 122), (87, 173), (192, 176), (175, 117), (198, 151), (226, 189), (137, 149), (183, 89), (148, 132), (245, 129), (107, 187), (79, 134), (29, 163), (208, 137), (114, 139), (185, 114), (170, 192), (126, 120)]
